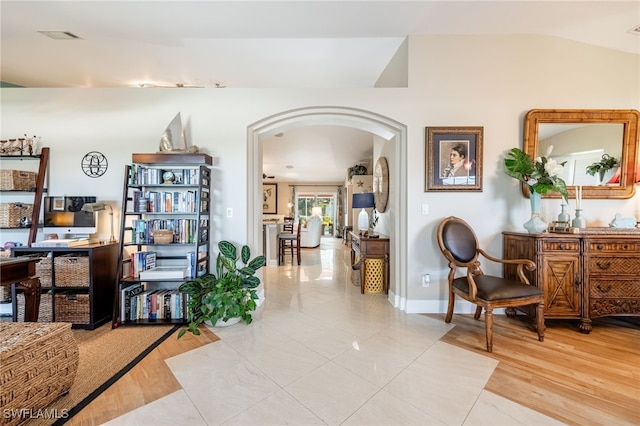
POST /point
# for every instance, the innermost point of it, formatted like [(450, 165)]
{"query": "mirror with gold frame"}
[(580, 137)]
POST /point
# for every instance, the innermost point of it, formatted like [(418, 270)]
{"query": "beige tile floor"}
[(321, 353)]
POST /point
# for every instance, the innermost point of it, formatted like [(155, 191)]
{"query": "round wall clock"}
[(94, 164), (381, 184)]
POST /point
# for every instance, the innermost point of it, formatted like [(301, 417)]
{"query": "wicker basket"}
[(163, 236), (38, 364), (71, 271), (12, 213), (72, 308), (43, 271), (17, 180), (45, 312)]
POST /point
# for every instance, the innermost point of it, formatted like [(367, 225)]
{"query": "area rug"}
[(106, 354)]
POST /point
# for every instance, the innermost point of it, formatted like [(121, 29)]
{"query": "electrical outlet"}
[(425, 209), (426, 280), (229, 212)]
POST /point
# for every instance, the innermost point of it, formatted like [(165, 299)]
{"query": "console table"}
[(592, 274), (370, 248)]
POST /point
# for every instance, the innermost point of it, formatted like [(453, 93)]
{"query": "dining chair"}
[(289, 241)]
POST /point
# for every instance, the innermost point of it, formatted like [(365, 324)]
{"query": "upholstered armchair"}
[(311, 232)]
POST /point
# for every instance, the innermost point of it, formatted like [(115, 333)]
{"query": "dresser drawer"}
[(611, 265), (561, 246), (601, 289), (614, 246)]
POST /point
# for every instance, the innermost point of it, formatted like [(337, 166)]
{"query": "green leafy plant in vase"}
[(541, 175), (227, 293), (601, 167)]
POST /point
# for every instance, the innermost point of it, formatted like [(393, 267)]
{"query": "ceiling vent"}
[(635, 30), (60, 35)]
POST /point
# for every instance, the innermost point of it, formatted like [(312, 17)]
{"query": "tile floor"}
[(321, 353)]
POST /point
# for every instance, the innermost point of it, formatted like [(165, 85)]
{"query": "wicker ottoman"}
[(38, 363)]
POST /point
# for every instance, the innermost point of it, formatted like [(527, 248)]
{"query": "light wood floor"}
[(575, 378)]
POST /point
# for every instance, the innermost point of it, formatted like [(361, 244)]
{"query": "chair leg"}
[(452, 301), (297, 253), (488, 328), (540, 321), (478, 312)]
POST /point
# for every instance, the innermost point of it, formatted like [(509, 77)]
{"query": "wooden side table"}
[(21, 271), (370, 248)]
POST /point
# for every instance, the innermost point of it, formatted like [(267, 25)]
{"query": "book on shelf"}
[(126, 294), (165, 272), (142, 261)]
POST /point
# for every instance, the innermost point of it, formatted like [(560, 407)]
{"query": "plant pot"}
[(537, 224), (222, 323)]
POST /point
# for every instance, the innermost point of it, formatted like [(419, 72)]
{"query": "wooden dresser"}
[(593, 274)]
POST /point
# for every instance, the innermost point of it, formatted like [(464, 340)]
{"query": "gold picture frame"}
[(453, 158)]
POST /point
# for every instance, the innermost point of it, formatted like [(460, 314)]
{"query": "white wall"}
[(489, 81)]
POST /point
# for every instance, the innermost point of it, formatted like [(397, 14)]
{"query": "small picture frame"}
[(57, 204), (270, 198), (453, 158)]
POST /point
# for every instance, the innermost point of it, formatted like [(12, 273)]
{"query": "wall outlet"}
[(229, 212), (426, 280), (425, 209)]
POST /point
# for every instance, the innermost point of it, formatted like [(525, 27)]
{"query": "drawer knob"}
[(603, 265), (600, 246), (562, 246)]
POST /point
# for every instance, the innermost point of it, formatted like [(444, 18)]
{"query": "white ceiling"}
[(256, 44)]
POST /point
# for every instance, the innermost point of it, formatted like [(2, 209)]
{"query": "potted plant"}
[(227, 293), (601, 167)]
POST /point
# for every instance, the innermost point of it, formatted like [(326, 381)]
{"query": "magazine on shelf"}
[(165, 272)]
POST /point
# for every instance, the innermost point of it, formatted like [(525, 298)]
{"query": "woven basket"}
[(45, 311), (17, 180), (71, 271), (163, 236), (72, 308), (12, 213), (43, 271), (38, 364)]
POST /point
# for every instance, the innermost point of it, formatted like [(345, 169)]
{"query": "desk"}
[(370, 248), (21, 271)]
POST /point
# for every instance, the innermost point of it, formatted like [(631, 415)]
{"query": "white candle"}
[(578, 196)]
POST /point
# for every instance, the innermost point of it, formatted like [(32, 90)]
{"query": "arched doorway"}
[(377, 124)]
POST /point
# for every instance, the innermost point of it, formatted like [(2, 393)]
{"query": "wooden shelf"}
[(173, 159)]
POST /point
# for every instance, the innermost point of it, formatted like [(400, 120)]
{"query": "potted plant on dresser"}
[(226, 296)]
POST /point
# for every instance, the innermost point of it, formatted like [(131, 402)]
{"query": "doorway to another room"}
[(389, 134)]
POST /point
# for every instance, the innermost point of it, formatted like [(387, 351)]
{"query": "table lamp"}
[(363, 200), (99, 206)]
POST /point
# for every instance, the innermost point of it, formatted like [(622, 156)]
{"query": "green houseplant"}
[(227, 293), (605, 164)]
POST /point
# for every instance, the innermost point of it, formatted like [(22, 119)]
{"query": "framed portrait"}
[(453, 158), (57, 204), (270, 198)]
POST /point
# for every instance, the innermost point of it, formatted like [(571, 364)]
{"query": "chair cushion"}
[(492, 288)]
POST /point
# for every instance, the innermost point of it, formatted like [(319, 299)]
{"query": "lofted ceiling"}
[(272, 44)]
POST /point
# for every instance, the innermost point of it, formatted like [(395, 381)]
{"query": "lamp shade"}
[(363, 200), (98, 207)]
